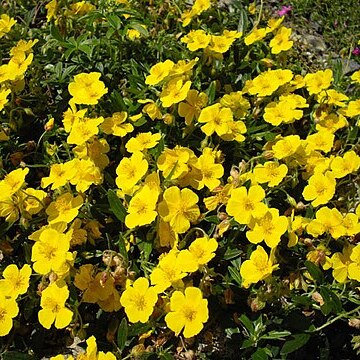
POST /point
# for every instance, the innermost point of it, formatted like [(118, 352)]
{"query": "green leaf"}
[(332, 302), (292, 345), (116, 205), (212, 219), (314, 271), (15, 355), (243, 21), (122, 334), (232, 253), (122, 248), (117, 101), (249, 326), (353, 134), (139, 28), (55, 33), (114, 21), (211, 91), (146, 248), (273, 335), (235, 275), (137, 329), (259, 354), (166, 356)]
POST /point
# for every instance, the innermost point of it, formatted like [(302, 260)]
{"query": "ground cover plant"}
[(174, 185)]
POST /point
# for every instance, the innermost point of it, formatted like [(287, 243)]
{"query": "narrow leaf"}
[(122, 334), (292, 345), (116, 205)]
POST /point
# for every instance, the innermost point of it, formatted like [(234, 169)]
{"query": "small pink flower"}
[(284, 10), (356, 51)]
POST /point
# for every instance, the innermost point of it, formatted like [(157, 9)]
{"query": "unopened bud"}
[(268, 154), (49, 125)]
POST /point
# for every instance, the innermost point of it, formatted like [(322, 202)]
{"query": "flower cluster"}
[(163, 190)]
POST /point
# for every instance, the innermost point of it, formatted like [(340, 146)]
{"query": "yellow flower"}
[(281, 41), (200, 252), (8, 310), (10, 207), (175, 162), (327, 220), (285, 110), (221, 43), (340, 262), (222, 195), (286, 146), (167, 236), (50, 253), (320, 188), (18, 65), (174, 92), (151, 109), (271, 172), (59, 175), (86, 174), (342, 166), (196, 39), (142, 142), (141, 210), (78, 235), (191, 109), (237, 103), (94, 151), (53, 300), (353, 108), (168, 272), (179, 208), (6, 23), (87, 88), (255, 35), (4, 93), (188, 311), (216, 119), (15, 282), (244, 205), (318, 81), (139, 300), (13, 182), (258, 268), (81, 8), (274, 23), (296, 227), (51, 8), (133, 34), (268, 82), (331, 97), (331, 122), (210, 171), (355, 77), (64, 209), (236, 131), (83, 130), (94, 289), (91, 352), (200, 6), (354, 266), (159, 72), (71, 116), (269, 228), (116, 125), (322, 140), (131, 170), (351, 224)]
